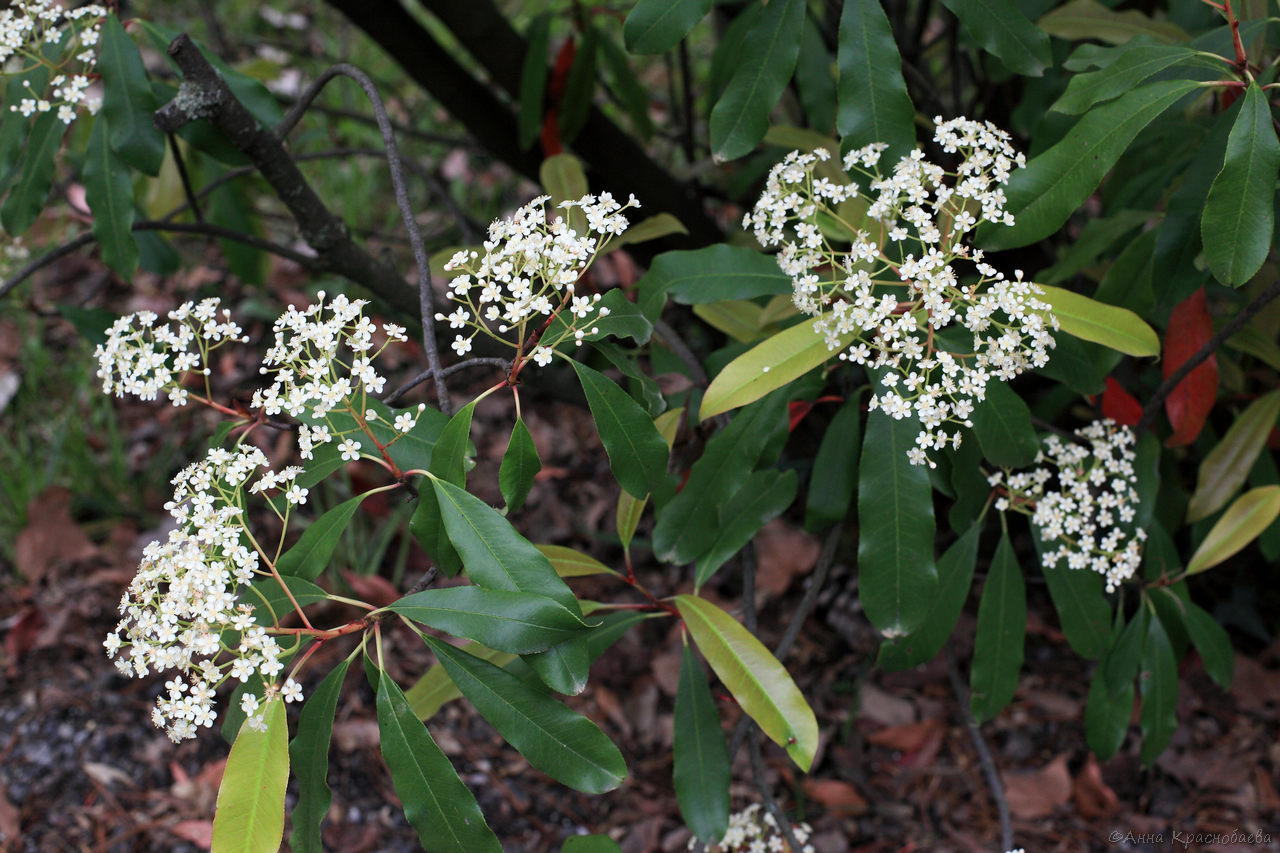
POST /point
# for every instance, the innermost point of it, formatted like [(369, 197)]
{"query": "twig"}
[(984, 754), (186, 178), (425, 298), (766, 796), (483, 361), (1235, 324), (672, 339)]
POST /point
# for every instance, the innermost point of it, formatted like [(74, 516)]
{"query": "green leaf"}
[(410, 450), (631, 94), (533, 81), (1089, 19), (449, 456), (1002, 628), (310, 555), (569, 563), (1106, 716), (835, 468), (624, 319), (267, 597), (1238, 214), (713, 274), (815, 82), (520, 464), (1226, 467), (27, 196), (763, 497), (232, 207), (495, 555), (128, 103), (1244, 520), (427, 526), (1054, 184), (955, 573), (637, 453), (630, 508), (514, 622), (644, 389), (656, 26), (1119, 665), (564, 179), (576, 100), (249, 817), (762, 686), (109, 194), (309, 752), (564, 667), (1004, 31), (590, 844), (1211, 641), (650, 228), (1090, 320), (1002, 423), (435, 688), (1081, 601), (770, 50), (1133, 67), (562, 743), (14, 126), (1158, 682), (700, 756), (1249, 340), (767, 366), (737, 319), (436, 803), (687, 524), (872, 100), (897, 580)]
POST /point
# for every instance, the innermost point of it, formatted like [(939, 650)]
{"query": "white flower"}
[(292, 691), (405, 421), (755, 831), (350, 450), (296, 495)]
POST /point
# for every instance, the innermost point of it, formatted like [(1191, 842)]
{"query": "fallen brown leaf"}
[(835, 795), (10, 822), (784, 553), (905, 738), (1093, 797), (1038, 794), (51, 536), (375, 589), (198, 832)]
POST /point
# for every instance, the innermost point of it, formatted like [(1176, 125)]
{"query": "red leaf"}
[(1119, 405), (1190, 328)]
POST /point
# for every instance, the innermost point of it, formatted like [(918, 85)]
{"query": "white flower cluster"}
[(144, 359), (14, 252), (1088, 513), (26, 28), (529, 269), (182, 611), (888, 299), (754, 830)]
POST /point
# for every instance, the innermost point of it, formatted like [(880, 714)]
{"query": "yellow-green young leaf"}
[(1248, 516), (738, 319), (250, 811), (564, 179), (435, 688), (659, 225), (1089, 19), (770, 364), (1090, 320), (1225, 468), (569, 563), (762, 686)]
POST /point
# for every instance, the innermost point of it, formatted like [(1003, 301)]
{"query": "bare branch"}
[(394, 396), (984, 754)]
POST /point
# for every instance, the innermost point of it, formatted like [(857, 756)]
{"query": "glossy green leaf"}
[(309, 752), (872, 100), (1004, 31), (1002, 628), (835, 468), (14, 126), (533, 81), (624, 319), (1083, 611), (1134, 67), (656, 26), (109, 194), (738, 319), (1253, 341), (762, 686), (436, 803), (427, 526), (520, 464), (1211, 641), (687, 524), (514, 622), (701, 771), (590, 844), (495, 555), (1106, 716), (637, 452), (897, 580), (1090, 320), (233, 208), (1055, 183), (631, 94), (1239, 214), (435, 688), (1158, 683), (1089, 19), (562, 743), (449, 456), (579, 87), (763, 497), (310, 555), (1226, 467), (955, 574), (644, 389), (1119, 665), (570, 563), (815, 82), (35, 177), (563, 667), (1002, 423), (770, 50), (128, 103), (767, 366), (1244, 520), (411, 450), (249, 817), (631, 508), (713, 274), (650, 228)]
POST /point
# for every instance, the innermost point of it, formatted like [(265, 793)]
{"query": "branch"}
[(425, 306), (394, 397), (1211, 346), (204, 94), (984, 754)]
